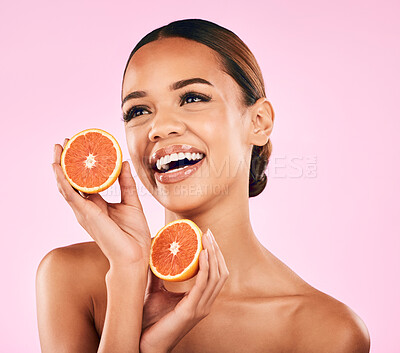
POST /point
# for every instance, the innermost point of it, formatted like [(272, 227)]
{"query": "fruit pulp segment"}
[(102, 155), (174, 249)]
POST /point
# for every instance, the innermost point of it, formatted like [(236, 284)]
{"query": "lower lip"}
[(176, 177)]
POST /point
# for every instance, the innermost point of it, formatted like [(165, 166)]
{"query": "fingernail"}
[(209, 235)]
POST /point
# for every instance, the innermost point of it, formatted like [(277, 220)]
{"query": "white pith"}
[(162, 163), (90, 161), (174, 248)]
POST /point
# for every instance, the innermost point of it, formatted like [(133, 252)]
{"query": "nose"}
[(165, 124)]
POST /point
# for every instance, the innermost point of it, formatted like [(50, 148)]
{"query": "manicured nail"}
[(209, 235)]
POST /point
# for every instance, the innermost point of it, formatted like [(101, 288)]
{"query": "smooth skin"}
[(251, 301)]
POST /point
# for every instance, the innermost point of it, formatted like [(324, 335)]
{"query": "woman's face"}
[(176, 97)]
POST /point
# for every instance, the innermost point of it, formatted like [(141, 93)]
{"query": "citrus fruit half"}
[(175, 251), (91, 160)]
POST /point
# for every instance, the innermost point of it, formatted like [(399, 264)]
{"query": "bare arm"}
[(63, 298), (123, 323), (64, 306), (63, 309)]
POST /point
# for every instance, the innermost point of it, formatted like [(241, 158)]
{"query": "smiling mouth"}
[(170, 164)]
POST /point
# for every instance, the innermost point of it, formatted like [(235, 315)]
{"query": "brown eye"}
[(192, 97), (134, 112)]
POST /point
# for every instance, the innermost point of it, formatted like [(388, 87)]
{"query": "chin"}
[(185, 199)]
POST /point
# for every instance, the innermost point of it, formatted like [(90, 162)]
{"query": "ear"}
[(262, 122)]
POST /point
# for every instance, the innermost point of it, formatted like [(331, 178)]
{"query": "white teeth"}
[(181, 155), (162, 163), (175, 170)]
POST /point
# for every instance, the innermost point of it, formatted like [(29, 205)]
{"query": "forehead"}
[(162, 62)]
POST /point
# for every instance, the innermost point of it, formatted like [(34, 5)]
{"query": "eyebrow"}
[(173, 87)]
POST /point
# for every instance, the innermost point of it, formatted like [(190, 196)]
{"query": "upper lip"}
[(163, 151)]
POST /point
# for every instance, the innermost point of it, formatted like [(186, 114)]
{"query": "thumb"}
[(127, 184)]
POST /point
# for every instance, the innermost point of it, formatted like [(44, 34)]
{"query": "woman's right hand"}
[(119, 229)]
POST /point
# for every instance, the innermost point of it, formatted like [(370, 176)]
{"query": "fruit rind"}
[(111, 179), (192, 269)]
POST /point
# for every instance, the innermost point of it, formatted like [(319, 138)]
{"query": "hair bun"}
[(257, 186)]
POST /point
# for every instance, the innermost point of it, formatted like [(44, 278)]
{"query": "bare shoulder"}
[(73, 257), (327, 325), (68, 281), (79, 265)]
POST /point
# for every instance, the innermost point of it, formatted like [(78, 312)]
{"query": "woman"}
[(190, 84)]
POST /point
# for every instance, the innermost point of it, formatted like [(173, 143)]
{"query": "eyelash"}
[(189, 94)]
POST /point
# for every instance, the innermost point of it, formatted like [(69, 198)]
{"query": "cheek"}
[(216, 122), (224, 130), (133, 142), (223, 133)]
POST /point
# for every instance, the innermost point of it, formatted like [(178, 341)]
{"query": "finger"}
[(214, 275), (98, 200), (166, 332), (84, 195), (65, 142), (197, 290), (123, 216), (64, 186), (57, 154), (223, 271), (127, 184), (104, 231), (57, 158), (66, 190)]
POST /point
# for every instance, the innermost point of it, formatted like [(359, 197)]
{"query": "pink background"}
[(331, 71)]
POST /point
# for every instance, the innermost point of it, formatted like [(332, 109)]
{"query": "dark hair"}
[(238, 62)]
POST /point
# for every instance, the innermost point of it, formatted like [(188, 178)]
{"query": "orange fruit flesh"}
[(90, 160), (175, 251)]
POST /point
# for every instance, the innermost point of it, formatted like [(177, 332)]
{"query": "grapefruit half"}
[(175, 251), (91, 160)]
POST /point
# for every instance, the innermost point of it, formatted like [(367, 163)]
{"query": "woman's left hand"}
[(168, 316)]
